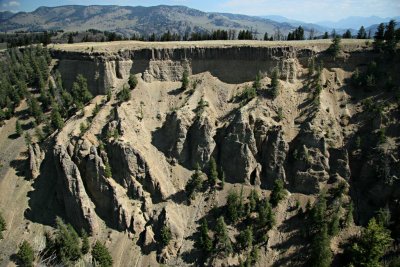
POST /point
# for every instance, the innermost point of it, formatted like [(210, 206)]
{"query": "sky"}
[(305, 10)]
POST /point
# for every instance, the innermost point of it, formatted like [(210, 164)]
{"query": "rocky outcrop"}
[(230, 64), (36, 156), (71, 190)]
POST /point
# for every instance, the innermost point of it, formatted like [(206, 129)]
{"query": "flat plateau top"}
[(138, 45)]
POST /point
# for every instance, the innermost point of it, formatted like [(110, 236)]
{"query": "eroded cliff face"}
[(129, 170), (108, 71)]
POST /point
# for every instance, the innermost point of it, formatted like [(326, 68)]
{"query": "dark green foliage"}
[(80, 92), (132, 81), (205, 241), (390, 36), (28, 139), (335, 47), (67, 243), (278, 192), (347, 35), (222, 178), (70, 38), (107, 170), (254, 199), (222, 240), (57, 122), (194, 184), (245, 239), (124, 94), (3, 226), (372, 245), (326, 36), (85, 243), (257, 82), (101, 255), (297, 34), (35, 110), (233, 202), (25, 254), (247, 94), (266, 217), (275, 83), (18, 128), (349, 215), (379, 37), (362, 34), (334, 226), (185, 80), (95, 110), (245, 35), (213, 172), (266, 37), (165, 235), (108, 95), (321, 254)]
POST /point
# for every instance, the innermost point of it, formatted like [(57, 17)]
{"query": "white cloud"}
[(12, 3)]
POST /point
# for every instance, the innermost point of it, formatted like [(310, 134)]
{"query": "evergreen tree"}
[(101, 255), (372, 245), (266, 37), (379, 37), (245, 238), (85, 243), (347, 35), (70, 38), (25, 254), (195, 183), (321, 254), (213, 172), (257, 82), (18, 128), (362, 34), (205, 241), (232, 203), (185, 80), (335, 47), (326, 36), (3, 226), (67, 242), (278, 192), (222, 178), (334, 226), (132, 81), (107, 170), (57, 122), (80, 92), (222, 240), (275, 83), (266, 217), (124, 94), (254, 198), (28, 139), (165, 235), (390, 36)]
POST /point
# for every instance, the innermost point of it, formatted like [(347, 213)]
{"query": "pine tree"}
[(275, 83), (213, 172), (124, 95), (232, 203), (335, 47), (28, 139), (56, 120), (321, 254), (107, 170), (25, 254), (85, 243), (390, 36), (3, 226), (223, 242), (165, 235), (254, 198), (185, 80), (278, 192), (222, 178), (67, 242), (18, 128), (379, 37), (132, 81), (372, 245), (362, 34), (245, 238), (266, 217), (195, 183), (205, 241), (101, 255)]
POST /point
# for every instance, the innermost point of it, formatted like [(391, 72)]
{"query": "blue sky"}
[(306, 10)]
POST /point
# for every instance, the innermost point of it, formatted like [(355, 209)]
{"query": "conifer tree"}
[(223, 242), (213, 172), (101, 255), (25, 254), (18, 128), (278, 192), (321, 254), (205, 240)]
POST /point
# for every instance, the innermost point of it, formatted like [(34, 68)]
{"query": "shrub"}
[(165, 235), (3, 226), (132, 81), (124, 94), (25, 255), (278, 192), (185, 80), (101, 255)]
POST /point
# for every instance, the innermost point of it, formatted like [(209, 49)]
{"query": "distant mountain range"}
[(128, 20)]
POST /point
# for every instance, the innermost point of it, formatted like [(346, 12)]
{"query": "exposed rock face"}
[(36, 156), (229, 64), (78, 206)]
